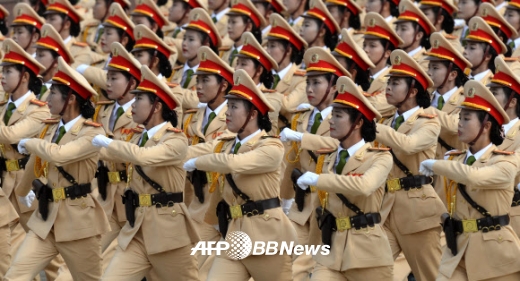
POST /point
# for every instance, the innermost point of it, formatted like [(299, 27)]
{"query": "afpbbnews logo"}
[(238, 245)]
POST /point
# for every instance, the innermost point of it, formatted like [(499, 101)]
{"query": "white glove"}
[(101, 141), (27, 200), (189, 166), (82, 68), (303, 106), (290, 135), (518, 186), (307, 179), (202, 105), (21, 146), (286, 205), (426, 167)]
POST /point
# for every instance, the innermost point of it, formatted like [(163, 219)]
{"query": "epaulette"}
[(81, 44), (172, 85), (511, 59), (455, 152), (226, 138), (451, 37), (97, 62), (325, 150), (300, 72), (270, 137), (429, 116), (105, 102), (51, 121), (38, 102), (302, 110), (175, 130), (194, 110), (379, 149), (503, 152), (137, 130), (224, 48), (2, 38), (92, 123), (268, 91), (3, 103), (359, 32), (366, 94), (178, 67)]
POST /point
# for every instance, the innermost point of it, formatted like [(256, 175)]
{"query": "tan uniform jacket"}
[(376, 95), (69, 219), (88, 35), (190, 100), (81, 53), (275, 99), (164, 228), (297, 25), (176, 41), (292, 86), (222, 26), (413, 142), (489, 182), (362, 182)]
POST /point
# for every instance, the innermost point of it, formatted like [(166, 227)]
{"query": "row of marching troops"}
[(385, 129)]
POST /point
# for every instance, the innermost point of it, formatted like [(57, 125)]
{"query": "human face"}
[(473, 52), (337, 15), (469, 125), (177, 11), (500, 95), (191, 44), (406, 32), (10, 78), (437, 72), (374, 6), (236, 27), (246, 64), (396, 90), (55, 20), (467, 9), (374, 49), (142, 20), (276, 50), (428, 12), (141, 108), (261, 8), (236, 115), (317, 89), (100, 9), (207, 87), (44, 57), (143, 57), (512, 16), (22, 36), (117, 83), (108, 37), (340, 123), (309, 30), (55, 101), (215, 4), (292, 5)]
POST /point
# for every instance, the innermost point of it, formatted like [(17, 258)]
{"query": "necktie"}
[(9, 112), (398, 121), (343, 155), (316, 124), (144, 139), (187, 80), (512, 45), (276, 80), (99, 33), (211, 117), (61, 133), (470, 160), (440, 103), (119, 112), (214, 19), (42, 91), (233, 55), (237, 146), (371, 79), (176, 32)]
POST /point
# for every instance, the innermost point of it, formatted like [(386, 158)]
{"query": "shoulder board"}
[(224, 48), (503, 152), (300, 72), (81, 44), (38, 102), (511, 59), (430, 116), (379, 149), (302, 110), (137, 130), (194, 110), (92, 123), (226, 138), (105, 102), (3, 103), (455, 152), (268, 91), (172, 85), (359, 32), (270, 137), (325, 150), (2, 38), (175, 130), (51, 121), (366, 94), (178, 67), (451, 37)]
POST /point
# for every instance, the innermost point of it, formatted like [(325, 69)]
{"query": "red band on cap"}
[(122, 63), (250, 51), (479, 103), (282, 33), (194, 4), (382, 33), (149, 86), (204, 27), (248, 94), (411, 16), (410, 71), (277, 7), (149, 12), (352, 101), (148, 43), (496, 22), (120, 23), (317, 13), (482, 36), (213, 67), (63, 78), (27, 20), (57, 7), (506, 80), (446, 54), (439, 3), (324, 66), (345, 50), (49, 43), (16, 58), (122, 3), (243, 9)]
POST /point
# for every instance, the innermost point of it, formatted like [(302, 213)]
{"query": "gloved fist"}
[(303, 106), (426, 167), (307, 179), (21, 146), (290, 135), (27, 200), (202, 105), (101, 141), (189, 166)]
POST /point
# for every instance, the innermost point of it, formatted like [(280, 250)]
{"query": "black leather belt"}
[(253, 208), (516, 198), (72, 192), (407, 183), (158, 200), (117, 176), (484, 224), (10, 165)]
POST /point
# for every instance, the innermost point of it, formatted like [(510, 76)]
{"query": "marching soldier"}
[(412, 135), (512, 15), (159, 233), (481, 243), (441, 14), (219, 16), (147, 12), (26, 27), (319, 29), (467, 11), (68, 220), (356, 173), (498, 23), (250, 164)]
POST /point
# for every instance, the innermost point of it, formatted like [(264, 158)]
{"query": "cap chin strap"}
[(66, 102), (249, 115), (327, 91), (407, 94), (511, 97), (218, 93), (19, 81), (414, 38), (63, 23), (151, 111), (486, 52), (351, 128), (128, 85), (30, 39), (439, 13), (317, 34), (450, 67), (384, 51), (480, 131), (353, 71), (54, 62)]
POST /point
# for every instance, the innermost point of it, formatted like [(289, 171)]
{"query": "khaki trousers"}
[(83, 257), (460, 274), (304, 264), (421, 249), (5, 249), (260, 268), (206, 233), (323, 273)]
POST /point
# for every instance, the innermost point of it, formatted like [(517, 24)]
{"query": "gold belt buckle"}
[(113, 177), (469, 225), (236, 211), (12, 165), (393, 185), (145, 200), (58, 194), (343, 224)]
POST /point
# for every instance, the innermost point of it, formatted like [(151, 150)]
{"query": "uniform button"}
[(500, 237), (174, 213), (266, 217), (83, 205), (423, 196), (53, 184), (55, 169)]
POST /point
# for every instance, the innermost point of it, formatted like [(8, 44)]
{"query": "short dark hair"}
[(422, 97), (368, 129), (167, 114), (495, 134), (35, 83), (85, 106), (263, 121)]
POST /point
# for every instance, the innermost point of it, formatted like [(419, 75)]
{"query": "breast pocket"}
[(82, 209), (171, 222), (367, 244), (499, 246), (423, 201)]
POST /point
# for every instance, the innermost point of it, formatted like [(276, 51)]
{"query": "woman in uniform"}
[(69, 220), (347, 14), (352, 178), (388, 9), (412, 135), (26, 27), (159, 232), (250, 164), (499, 24), (441, 13), (319, 28), (481, 243)]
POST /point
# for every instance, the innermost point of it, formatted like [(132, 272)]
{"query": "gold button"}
[(174, 213), (83, 205), (138, 178), (423, 196), (53, 184), (500, 237), (266, 217), (55, 169)]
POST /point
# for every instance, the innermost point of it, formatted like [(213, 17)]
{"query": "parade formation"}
[(266, 140)]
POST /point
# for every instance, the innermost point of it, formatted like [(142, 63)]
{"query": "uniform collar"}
[(284, 71), (19, 101), (509, 125), (478, 154), (69, 124)]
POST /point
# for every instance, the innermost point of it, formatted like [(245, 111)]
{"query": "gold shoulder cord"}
[(376, 144), (451, 192), (322, 195), (129, 172), (213, 177), (96, 113), (294, 145), (186, 123), (39, 167)]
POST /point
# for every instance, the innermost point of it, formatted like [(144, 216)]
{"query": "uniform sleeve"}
[(315, 142), (263, 159), (449, 122), (201, 149), (189, 97), (359, 185), (25, 185), (496, 176), (418, 141), (292, 99), (96, 76), (27, 127)]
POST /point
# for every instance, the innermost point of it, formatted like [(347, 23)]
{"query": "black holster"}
[(199, 180), (224, 216), (299, 194), (450, 232), (326, 223), (44, 194), (102, 180), (129, 199)]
